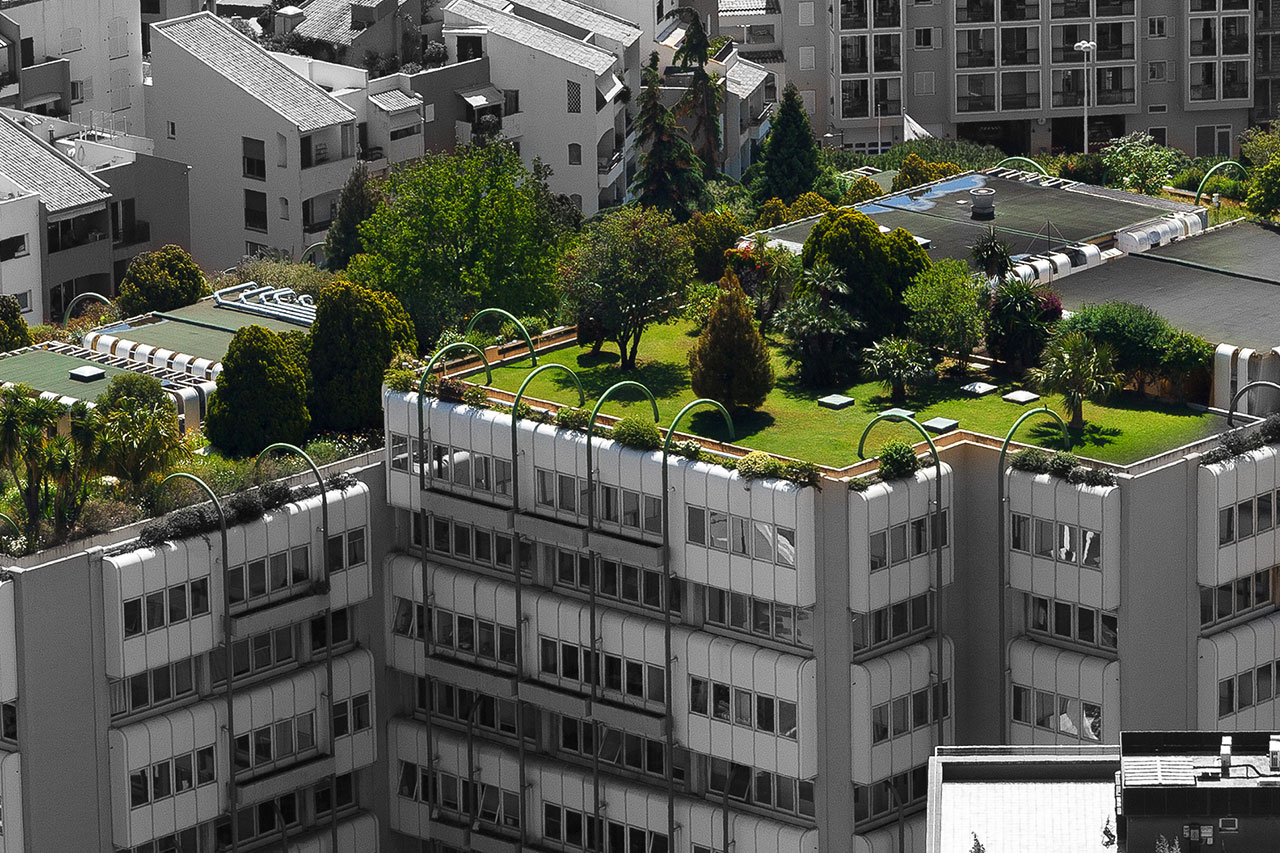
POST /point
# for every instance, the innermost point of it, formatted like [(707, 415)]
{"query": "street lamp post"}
[(1087, 48)]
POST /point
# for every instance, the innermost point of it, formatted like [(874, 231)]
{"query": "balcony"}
[(888, 14), (976, 11), (888, 107), (976, 59), (315, 226), (1204, 47), (38, 83), (1020, 56), (609, 168), (77, 231), (1020, 10), (1235, 90), (1235, 44), (853, 14), (1204, 92), (1113, 52), (1115, 97), (1069, 9), (1068, 99), (1020, 101), (888, 62), (139, 231), (1115, 8), (975, 103)]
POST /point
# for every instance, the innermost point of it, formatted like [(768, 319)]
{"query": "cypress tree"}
[(790, 161), (730, 362), (356, 203), (670, 175)]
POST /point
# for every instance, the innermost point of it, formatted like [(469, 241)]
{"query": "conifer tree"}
[(356, 203), (670, 175), (790, 161), (730, 362)]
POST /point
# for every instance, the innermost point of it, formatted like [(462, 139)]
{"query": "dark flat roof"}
[(1245, 248)]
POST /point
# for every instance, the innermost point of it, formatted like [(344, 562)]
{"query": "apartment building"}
[(349, 31), (1008, 73), (560, 74), (79, 58), (269, 149), (155, 11)]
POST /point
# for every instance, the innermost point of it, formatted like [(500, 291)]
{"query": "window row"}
[(621, 749), (153, 688), (1230, 600), (1247, 518), (454, 465), (352, 715), (742, 707), (760, 540), (283, 572), (1248, 688), (884, 798), (909, 539), (266, 819), (346, 550), (1055, 540), (275, 744), (893, 623), (172, 776), (475, 544), (905, 714), (1053, 712), (573, 828), (259, 653), (1074, 622), (760, 617), (156, 610), (455, 632), (573, 663), (490, 804), (458, 704), (627, 507), (629, 584), (761, 787)]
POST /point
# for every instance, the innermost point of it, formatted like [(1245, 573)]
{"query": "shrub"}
[(573, 417), (1099, 477), (274, 494), (243, 507), (638, 433), (859, 484), (730, 362), (689, 449), (401, 380), (860, 189), (802, 472), (137, 388), (773, 212), (915, 171), (699, 299), (1085, 168), (476, 397), (160, 281), (758, 465), (1031, 459), (101, 515), (1270, 430), (808, 204), (1061, 464), (1136, 334), (259, 399), (534, 324), (711, 234), (14, 331), (897, 460)]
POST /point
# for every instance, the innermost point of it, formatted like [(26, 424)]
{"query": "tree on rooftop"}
[(991, 255), (860, 189), (260, 397), (1018, 320), (819, 333), (915, 171), (705, 95), (356, 203), (140, 434), (1135, 334), (278, 271), (789, 161), (1139, 164), (947, 308), (1078, 369), (627, 270), (160, 281), (14, 331), (1263, 200), (458, 231), (354, 337), (898, 362), (670, 175), (729, 362), (712, 234), (1259, 145)]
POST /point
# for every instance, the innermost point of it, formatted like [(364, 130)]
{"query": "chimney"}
[(1273, 751), (983, 201), (1224, 756), (287, 19)]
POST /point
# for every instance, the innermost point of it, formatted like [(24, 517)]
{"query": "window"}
[(1226, 525), (165, 607), (1156, 27), (70, 41), (1157, 72), (574, 96), (172, 776), (254, 158), (575, 154), (891, 624), (1249, 595), (907, 713), (406, 132), (1072, 622), (13, 247), (255, 654), (351, 715), (117, 38), (751, 710), (153, 688), (255, 211), (121, 90), (924, 38), (276, 743), (1065, 715)]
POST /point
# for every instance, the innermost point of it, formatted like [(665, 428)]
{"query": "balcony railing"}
[(605, 165), (1204, 47), (767, 111), (888, 107), (138, 232), (853, 64), (888, 62), (316, 225), (1235, 45), (1114, 8), (975, 103), (1204, 92), (1068, 99), (979, 12), (1069, 9), (1067, 54), (976, 59), (1110, 53), (8, 78), (1025, 56), (1025, 101), (887, 14), (1114, 97), (854, 108), (1235, 90), (1019, 10)]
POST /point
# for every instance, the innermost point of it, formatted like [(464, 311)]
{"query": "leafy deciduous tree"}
[(1264, 191), (260, 397), (947, 308), (1139, 164), (628, 269), (160, 281), (730, 362)]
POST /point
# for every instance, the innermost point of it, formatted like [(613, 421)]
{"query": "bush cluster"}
[(476, 397), (638, 433), (1061, 464), (758, 465), (897, 460), (573, 417)]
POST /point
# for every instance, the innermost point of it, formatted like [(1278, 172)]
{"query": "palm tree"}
[(991, 254), (898, 362), (1076, 368), (142, 441)]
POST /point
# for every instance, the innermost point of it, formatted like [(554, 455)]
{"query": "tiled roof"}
[(330, 20), (393, 101), (34, 165), (575, 14), (744, 77), (749, 7), (773, 56), (256, 71), (508, 26)]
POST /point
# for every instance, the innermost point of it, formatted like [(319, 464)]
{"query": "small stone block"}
[(902, 413), (978, 389), (835, 401), (1021, 397), (940, 425)]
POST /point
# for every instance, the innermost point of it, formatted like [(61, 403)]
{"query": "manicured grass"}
[(791, 423)]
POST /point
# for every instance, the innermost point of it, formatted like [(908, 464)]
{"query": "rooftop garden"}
[(790, 422)]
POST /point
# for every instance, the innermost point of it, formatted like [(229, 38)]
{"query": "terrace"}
[(792, 424)]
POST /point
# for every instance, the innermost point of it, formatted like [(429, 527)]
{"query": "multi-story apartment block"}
[(1007, 72), (74, 57), (350, 31), (268, 148), (155, 11)]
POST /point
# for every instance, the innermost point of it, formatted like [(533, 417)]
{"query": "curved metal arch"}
[(318, 249), (425, 463), (1032, 163), (88, 294), (671, 430), (12, 523), (1002, 568), (937, 526), (1235, 398), (515, 423), (1217, 167), (591, 425), (524, 333)]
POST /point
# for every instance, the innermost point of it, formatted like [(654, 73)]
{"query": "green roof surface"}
[(206, 311), (48, 371), (180, 337)]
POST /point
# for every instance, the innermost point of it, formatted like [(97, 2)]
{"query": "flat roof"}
[(1028, 215), (228, 319), (48, 371), (1184, 283), (1044, 816), (203, 330)]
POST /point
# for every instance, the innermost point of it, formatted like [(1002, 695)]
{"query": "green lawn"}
[(792, 424)]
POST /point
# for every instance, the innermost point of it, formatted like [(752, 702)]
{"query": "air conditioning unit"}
[(1229, 824)]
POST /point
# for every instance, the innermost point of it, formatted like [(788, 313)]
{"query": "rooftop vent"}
[(1224, 756), (984, 203), (88, 373)]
